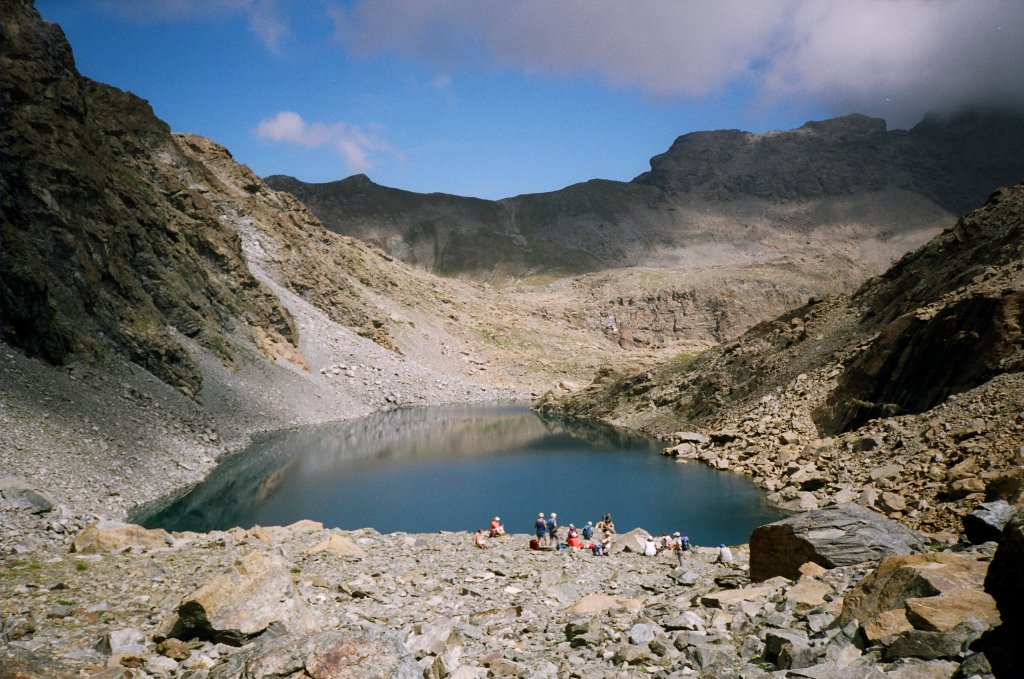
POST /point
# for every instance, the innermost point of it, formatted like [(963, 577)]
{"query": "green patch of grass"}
[(683, 357), (81, 566)]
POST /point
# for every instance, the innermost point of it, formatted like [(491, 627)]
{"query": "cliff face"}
[(107, 244), (952, 161), (800, 190)]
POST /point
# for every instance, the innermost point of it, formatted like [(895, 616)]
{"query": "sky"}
[(494, 98)]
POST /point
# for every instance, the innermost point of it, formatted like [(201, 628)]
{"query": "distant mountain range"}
[(816, 189)]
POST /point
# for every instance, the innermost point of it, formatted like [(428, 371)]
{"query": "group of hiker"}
[(546, 536)]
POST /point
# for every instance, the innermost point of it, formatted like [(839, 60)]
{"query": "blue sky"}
[(494, 99)]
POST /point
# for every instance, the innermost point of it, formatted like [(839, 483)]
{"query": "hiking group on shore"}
[(546, 536)]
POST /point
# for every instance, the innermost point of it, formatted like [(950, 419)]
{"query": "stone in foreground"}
[(115, 536), (927, 606), (843, 535), (240, 604)]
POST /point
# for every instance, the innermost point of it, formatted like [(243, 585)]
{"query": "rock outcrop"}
[(108, 245), (836, 536)]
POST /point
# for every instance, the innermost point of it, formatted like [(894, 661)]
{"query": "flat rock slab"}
[(728, 597), (115, 536), (337, 545), (843, 535), (598, 603)]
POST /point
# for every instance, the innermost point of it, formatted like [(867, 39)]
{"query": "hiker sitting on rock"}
[(481, 539), (497, 529), (603, 547), (650, 549), (588, 531), (606, 524), (724, 554)]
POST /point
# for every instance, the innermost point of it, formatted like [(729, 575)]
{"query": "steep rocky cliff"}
[(847, 179), (905, 396), (108, 245)]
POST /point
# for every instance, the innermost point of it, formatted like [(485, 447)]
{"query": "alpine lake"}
[(454, 468)]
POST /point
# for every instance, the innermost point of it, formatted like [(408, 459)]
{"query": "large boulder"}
[(19, 493), (633, 541), (923, 605), (842, 535), (115, 536), (240, 604), (337, 654)]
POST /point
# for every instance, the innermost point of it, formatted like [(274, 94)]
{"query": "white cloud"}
[(899, 58), (357, 146)]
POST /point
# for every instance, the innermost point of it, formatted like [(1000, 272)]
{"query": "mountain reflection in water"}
[(454, 467)]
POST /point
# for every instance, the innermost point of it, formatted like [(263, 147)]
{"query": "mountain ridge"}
[(785, 186)]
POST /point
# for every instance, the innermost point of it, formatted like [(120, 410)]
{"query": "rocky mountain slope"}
[(906, 396), (714, 197)]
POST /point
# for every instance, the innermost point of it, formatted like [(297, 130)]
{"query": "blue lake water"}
[(455, 467)]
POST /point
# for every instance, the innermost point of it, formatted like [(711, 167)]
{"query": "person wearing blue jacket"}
[(541, 527)]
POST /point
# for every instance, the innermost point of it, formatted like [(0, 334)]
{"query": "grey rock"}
[(934, 645), (128, 640), (987, 521), (799, 653), (711, 655), (751, 647), (685, 578), (642, 633), (840, 535), (775, 639), (18, 494)]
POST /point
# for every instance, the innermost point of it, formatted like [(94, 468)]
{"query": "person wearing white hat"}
[(497, 529), (553, 529)]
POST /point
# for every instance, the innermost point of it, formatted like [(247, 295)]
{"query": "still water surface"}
[(453, 468)]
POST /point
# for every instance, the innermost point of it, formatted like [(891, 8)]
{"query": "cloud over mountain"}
[(356, 145), (894, 58)]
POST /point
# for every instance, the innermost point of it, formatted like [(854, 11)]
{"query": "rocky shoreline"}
[(305, 601)]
